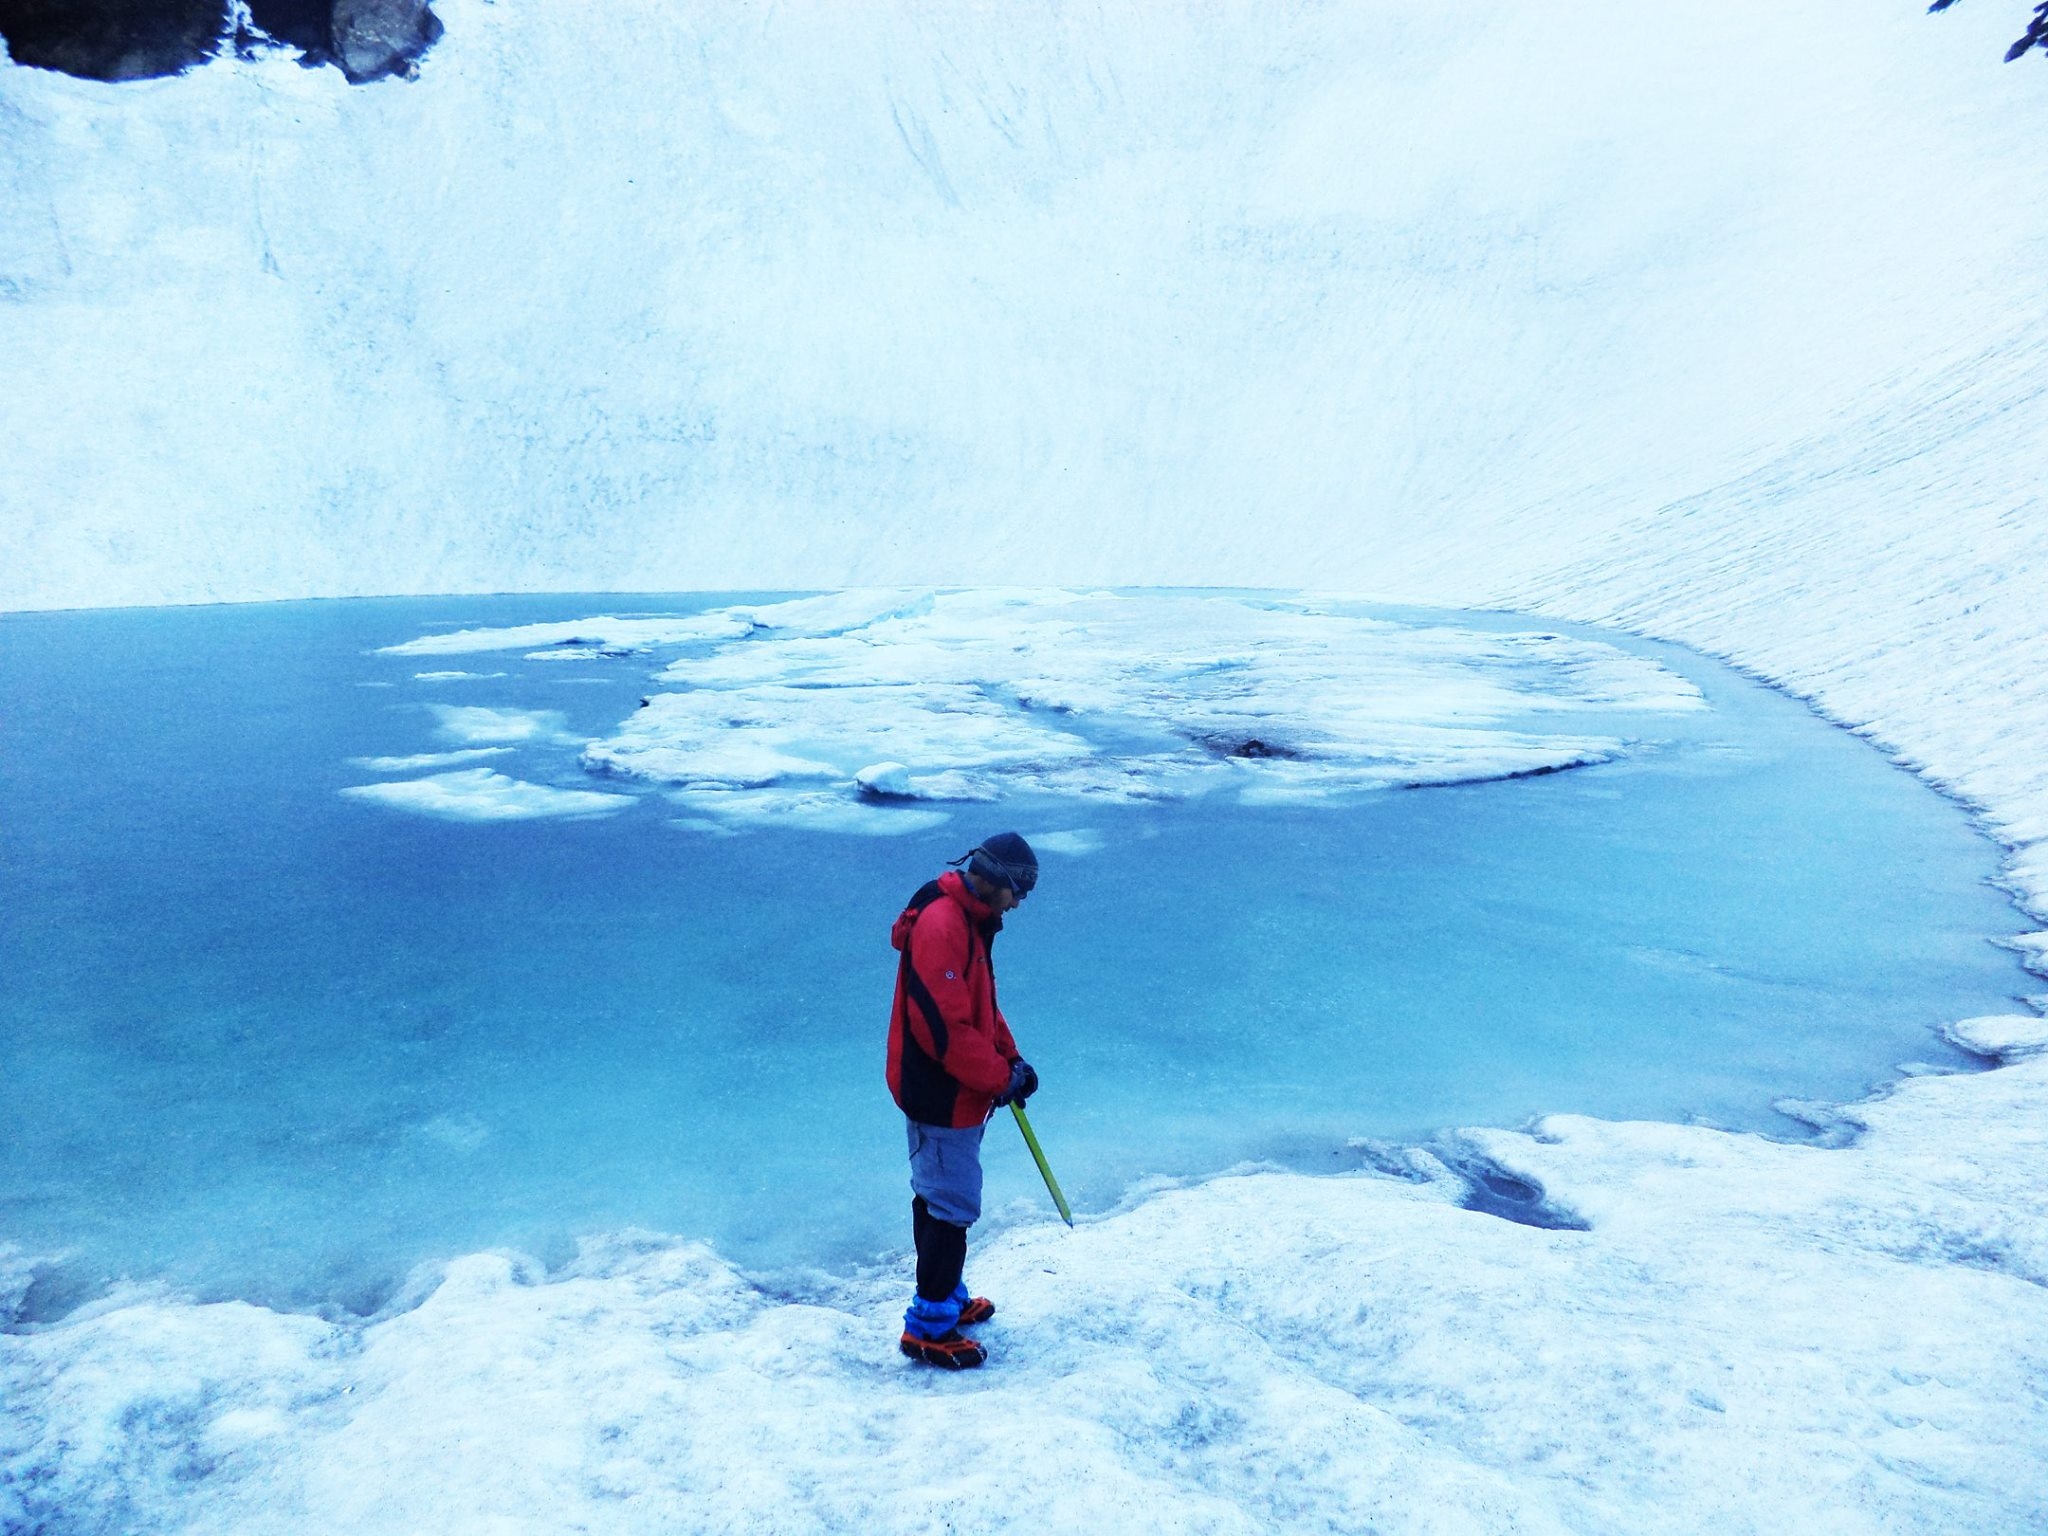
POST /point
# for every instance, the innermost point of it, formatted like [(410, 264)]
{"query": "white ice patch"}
[(807, 811), (2001, 1037), (416, 761), (893, 781), (884, 781), (476, 723), (600, 633), (1074, 844), (484, 794), (771, 733), (831, 613), (453, 677), (970, 696), (605, 635), (2033, 950)]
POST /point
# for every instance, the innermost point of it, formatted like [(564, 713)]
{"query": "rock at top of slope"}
[(113, 39), (147, 39), (374, 39)]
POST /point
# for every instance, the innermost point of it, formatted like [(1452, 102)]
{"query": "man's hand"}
[(1023, 1083)]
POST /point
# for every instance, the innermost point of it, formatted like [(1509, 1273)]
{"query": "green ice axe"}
[(1044, 1169)]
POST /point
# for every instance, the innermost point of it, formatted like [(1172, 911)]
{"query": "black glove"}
[(1023, 1083)]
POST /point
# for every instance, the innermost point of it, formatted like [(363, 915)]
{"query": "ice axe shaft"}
[(1052, 1184)]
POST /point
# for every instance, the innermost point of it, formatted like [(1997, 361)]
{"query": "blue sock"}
[(931, 1319)]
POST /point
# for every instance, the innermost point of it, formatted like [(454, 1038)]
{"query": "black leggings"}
[(941, 1252)]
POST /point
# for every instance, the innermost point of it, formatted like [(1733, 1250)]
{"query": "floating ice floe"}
[(770, 733), (1073, 843), (478, 723), (839, 709), (585, 635), (2001, 1037), (970, 696), (884, 781), (893, 781), (414, 762), (484, 794), (828, 613), (453, 677), (808, 811)]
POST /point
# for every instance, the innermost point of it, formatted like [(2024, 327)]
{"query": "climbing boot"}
[(976, 1309), (952, 1350)]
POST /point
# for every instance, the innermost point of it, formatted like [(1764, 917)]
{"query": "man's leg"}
[(941, 1256), (945, 1178), (941, 1253)]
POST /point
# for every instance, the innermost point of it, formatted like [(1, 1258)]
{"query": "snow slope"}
[(665, 297), (1721, 323)]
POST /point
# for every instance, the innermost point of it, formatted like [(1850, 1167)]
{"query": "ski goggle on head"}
[(1013, 875)]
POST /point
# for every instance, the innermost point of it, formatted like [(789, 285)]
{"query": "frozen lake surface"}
[(338, 939)]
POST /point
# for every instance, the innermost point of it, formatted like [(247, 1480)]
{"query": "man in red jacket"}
[(951, 1064)]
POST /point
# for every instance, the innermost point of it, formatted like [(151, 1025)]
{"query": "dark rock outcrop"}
[(374, 39), (113, 39), (303, 24), (142, 39)]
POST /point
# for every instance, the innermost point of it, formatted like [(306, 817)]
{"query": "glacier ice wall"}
[(650, 296)]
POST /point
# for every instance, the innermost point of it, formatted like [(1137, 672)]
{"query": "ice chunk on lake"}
[(413, 762), (767, 733), (479, 723), (589, 634), (484, 794), (968, 696), (829, 613), (893, 781), (875, 699), (2001, 1037), (884, 781), (805, 811), (836, 612), (1073, 843)]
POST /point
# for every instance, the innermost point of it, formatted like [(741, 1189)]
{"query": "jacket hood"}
[(954, 887)]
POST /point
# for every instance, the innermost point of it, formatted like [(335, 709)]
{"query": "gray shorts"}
[(945, 1168)]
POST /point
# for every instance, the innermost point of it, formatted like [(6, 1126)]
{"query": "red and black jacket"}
[(949, 1047)]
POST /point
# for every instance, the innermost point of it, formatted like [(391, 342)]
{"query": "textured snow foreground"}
[(1750, 1336)]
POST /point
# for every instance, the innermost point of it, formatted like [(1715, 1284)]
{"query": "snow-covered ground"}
[(1722, 323)]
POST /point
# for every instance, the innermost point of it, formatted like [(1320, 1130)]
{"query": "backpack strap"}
[(923, 897)]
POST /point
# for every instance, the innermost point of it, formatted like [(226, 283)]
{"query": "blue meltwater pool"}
[(340, 937)]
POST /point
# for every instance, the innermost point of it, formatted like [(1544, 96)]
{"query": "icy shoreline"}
[(1749, 1332)]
